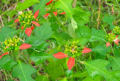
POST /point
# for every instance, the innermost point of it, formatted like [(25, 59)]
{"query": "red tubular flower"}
[(63, 13), (46, 15), (71, 63), (22, 27), (86, 50), (55, 13), (24, 46), (32, 27), (36, 14), (49, 2), (107, 44), (35, 23), (60, 55), (17, 20), (28, 32), (116, 41), (3, 54)]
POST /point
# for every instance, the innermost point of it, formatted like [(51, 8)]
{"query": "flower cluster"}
[(113, 36), (27, 21), (72, 48), (11, 44)]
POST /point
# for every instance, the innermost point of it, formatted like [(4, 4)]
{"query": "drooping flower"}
[(71, 63), (36, 14), (63, 13), (32, 27), (3, 54), (24, 46), (116, 41), (46, 15), (35, 23), (107, 44), (49, 2), (86, 50), (60, 55), (17, 20), (55, 13), (28, 32)]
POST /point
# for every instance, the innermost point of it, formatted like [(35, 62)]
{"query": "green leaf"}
[(97, 35), (6, 61), (23, 72), (41, 34), (6, 32), (42, 78), (65, 5), (26, 4), (98, 67), (41, 7)]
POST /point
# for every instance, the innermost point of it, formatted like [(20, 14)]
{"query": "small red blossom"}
[(17, 20), (36, 14), (24, 46), (22, 27), (116, 41), (49, 2), (46, 15), (32, 27), (71, 63), (60, 55), (86, 50), (35, 23), (28, 32), (63, 13), (55, 13), (3, 54), (107, 44)]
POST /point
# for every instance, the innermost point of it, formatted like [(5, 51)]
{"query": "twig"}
[(74, 3), (1, 21), (99, 9)]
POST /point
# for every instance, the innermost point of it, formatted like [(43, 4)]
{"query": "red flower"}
[(71, 63), (55, 13), (24, 46), (3, 54), (36, 14), (46, 15), (28, 31), (49, 2), (35, 23), (63, 13), (116, 41), (60, 55), (22, 27), (86, 50), (17, 20), (32, 27), (107, 44)]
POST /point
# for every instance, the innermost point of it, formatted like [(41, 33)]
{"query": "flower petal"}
[(5, 53), (35, 23), (49, 2), (63, 13), (25, 46), (28, 32), (71, 63), (60, 55), (17, 20), (107, 44), (46, 15), (32, 27), (55, 13), (86, 50), (116, 41), (22, 27), (36, 14)]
